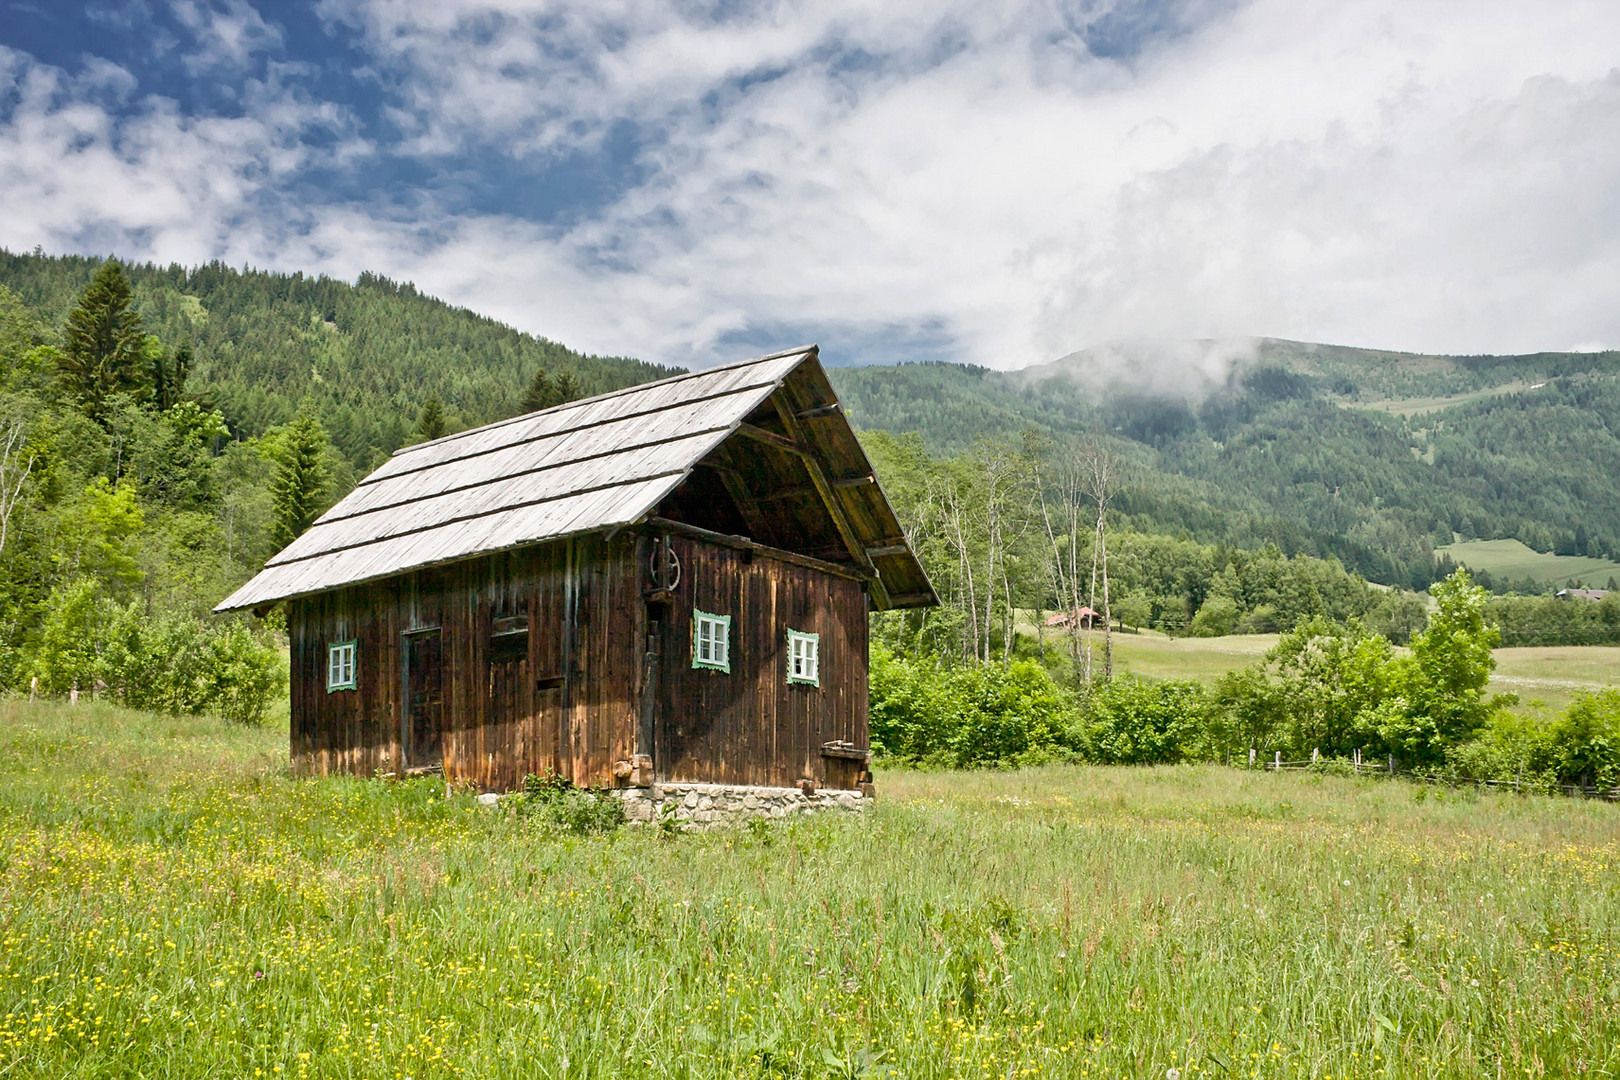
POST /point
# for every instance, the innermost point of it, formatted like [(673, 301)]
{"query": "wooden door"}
[(424, 700)]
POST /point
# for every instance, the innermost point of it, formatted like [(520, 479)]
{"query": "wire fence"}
[(1390, 770)]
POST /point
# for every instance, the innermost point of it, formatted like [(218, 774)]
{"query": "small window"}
[(711, 641), (340, 666), (509, 640), (804, 658)]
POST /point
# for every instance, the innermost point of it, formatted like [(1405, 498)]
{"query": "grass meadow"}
[(1547, 677), (172, 904), (1511, 558)]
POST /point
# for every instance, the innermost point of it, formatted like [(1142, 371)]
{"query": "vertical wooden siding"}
[(751, 726), (582, 601)]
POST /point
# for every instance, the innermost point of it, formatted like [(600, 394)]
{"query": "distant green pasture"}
[(1549, 676), (1513, 559), (1420, 406)]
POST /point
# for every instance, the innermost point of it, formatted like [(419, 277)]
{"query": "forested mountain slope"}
[(1371, 456), (365, 356)]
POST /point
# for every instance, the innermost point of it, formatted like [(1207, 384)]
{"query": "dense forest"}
[(363, 358)]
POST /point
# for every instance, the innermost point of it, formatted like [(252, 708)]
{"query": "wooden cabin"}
[(668, 583)]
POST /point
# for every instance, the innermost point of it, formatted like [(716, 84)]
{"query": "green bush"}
[(1135, 722), (161, 663), (1011, 714), (1218, 617), (554, 802), (982, 714), (1509, 747), (1585, 741)]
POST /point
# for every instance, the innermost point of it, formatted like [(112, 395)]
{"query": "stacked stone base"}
[(704, 805)]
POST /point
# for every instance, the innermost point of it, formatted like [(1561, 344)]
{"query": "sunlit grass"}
[(171, 904)]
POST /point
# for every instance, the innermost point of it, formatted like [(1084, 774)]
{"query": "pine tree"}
[(169, 377), (301, 477), (548, 391), (104, 344), (542, 392), (431, 424)]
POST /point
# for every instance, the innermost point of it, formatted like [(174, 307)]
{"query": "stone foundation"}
[(703, 805)]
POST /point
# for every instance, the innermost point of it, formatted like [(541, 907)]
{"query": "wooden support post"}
[(1251, 757), (1278, 763), (1392, 764)]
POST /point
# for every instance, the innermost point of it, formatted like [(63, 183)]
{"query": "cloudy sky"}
[(995, 183)]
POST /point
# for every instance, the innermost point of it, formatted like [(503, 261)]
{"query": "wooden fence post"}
[(1279, 759), (1392, 764), (1316, 754), (1251, 757)]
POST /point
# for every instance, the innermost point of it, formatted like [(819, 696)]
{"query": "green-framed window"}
[(803, 658), (711, 641), (342, 665)]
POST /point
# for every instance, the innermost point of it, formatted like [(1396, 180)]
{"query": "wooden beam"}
[(908, 599), (745, 504), (819, 411), (781, 494), (887, 549), (770, 438), (743, 543), (854, 481), (829, 499)]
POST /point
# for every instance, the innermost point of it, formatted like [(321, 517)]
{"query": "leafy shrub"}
[(1452, 662), (981, 714), (1585, 741), (1134, 722), (553, 801), (1218, 617), (1008, 714), (162, 663), (1509, 747)]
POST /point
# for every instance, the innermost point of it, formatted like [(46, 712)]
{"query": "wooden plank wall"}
[(751, 726), (582, 599)]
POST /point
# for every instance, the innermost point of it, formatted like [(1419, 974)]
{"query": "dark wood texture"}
[(566, 706), (751, 726)]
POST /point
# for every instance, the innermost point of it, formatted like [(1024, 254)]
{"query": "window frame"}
[(796, 637), (333, 649), (699, 618)]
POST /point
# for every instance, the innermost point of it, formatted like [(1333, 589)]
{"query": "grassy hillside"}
[(176, 906), (1512, 559)]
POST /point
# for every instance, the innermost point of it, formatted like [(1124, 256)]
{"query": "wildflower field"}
[(173, 905)]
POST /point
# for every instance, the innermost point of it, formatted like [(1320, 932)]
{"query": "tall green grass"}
[(172, 904)]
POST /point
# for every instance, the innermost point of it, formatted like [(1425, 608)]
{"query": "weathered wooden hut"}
[(668, 583)]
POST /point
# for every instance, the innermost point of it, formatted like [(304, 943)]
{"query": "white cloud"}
[(1432, 177), (151, 183), (226, 35)]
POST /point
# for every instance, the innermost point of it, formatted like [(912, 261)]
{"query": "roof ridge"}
[(809, 350)]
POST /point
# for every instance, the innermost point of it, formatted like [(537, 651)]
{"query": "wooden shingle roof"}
[(596, 464)]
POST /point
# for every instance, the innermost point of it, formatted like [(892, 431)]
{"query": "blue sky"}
[(998, 184)]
